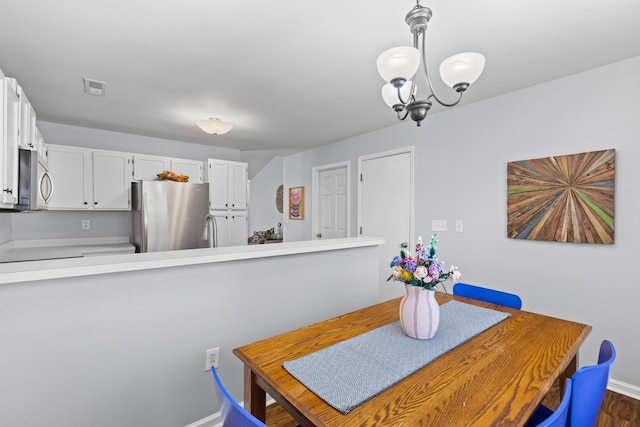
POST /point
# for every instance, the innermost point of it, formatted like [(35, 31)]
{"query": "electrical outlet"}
[(439, 225), (212, 358), (459, 225), (86, 224)]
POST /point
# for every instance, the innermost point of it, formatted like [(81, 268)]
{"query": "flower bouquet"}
[(423, 269)]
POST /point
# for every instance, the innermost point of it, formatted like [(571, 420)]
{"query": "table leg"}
[(568, 372), (255, 398)]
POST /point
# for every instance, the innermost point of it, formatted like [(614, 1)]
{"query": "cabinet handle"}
[(95, 203), (8, 190), (226, 205), (86, 203)]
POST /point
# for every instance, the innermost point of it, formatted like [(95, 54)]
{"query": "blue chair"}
[(549, 418), (487, 295), (589, 387), (232, 414), (587, 391)]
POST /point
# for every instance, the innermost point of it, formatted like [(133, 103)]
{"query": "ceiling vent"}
[(94, 87)]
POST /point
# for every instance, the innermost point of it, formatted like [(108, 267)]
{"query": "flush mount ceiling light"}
[(214, 126), (398, 67)]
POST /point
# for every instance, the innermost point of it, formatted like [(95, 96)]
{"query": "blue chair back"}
[(232, 414), (559, 417), (589, 387), (487, 295)]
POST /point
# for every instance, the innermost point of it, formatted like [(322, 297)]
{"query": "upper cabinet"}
[(28, 134), (9, 141), (227, 184), (112, 173), (146, 167), (90, 179), (191, 168)]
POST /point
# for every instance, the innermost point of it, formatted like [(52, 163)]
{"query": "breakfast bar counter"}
[(83, 266)]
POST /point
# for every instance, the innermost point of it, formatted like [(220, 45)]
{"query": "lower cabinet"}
[(231, 228)]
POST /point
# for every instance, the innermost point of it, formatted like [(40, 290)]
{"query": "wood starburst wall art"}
[(563, 198)]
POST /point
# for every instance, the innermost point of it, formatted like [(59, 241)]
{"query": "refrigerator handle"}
[(210, 231), (145, 224)]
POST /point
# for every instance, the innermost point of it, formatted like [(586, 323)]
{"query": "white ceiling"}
[(289, 74)]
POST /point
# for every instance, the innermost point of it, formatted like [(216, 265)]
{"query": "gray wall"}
[(127, 349), (461, 157), (263, 213)]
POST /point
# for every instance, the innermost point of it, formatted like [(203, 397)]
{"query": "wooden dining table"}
[(496, 378)]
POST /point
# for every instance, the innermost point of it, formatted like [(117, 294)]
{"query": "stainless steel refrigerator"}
[(170, 215)]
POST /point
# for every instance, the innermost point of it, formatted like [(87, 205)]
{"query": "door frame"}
[(315, 174), (411, 150)]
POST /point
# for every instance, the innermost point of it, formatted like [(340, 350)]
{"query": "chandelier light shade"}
[(214, 126), (390, 93), (399, 68), (398, 63), (461, 68)]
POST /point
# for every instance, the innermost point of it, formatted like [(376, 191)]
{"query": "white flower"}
[(397, 271), (421, 272), (454, 273)]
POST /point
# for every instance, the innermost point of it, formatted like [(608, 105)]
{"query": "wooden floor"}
[(617, 411)]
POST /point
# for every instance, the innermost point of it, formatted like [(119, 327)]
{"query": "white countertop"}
[(70, 267), (37, 250)]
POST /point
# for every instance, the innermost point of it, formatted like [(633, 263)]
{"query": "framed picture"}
[(296, 203), (562, 198)]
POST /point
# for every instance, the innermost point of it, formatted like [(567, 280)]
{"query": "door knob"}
[(404, 245)]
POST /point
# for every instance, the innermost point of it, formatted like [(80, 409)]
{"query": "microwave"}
[(35, 185)]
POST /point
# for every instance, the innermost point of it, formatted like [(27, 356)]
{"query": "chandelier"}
[(398, 67)]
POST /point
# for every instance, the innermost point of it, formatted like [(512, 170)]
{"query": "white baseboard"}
[(210, 421), (214, 419), (629, 390)]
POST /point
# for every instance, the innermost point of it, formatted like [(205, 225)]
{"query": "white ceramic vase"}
[(419, 313)]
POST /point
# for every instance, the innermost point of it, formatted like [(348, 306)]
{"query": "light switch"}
[(439, 225)]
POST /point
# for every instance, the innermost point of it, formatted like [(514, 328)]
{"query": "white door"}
[(386, 209), (331, 199)]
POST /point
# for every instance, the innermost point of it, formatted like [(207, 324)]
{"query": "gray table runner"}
[(350, 372)]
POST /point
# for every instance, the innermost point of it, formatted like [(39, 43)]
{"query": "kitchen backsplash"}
[(65, 225)]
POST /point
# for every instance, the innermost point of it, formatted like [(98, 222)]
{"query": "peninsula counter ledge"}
[(72, 267)]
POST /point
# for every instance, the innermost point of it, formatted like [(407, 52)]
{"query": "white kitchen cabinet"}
[(191, 168), (27, 130), (42, 145), (9, 141), (231, 228), (112, 175), (71, 170), (227, 184), (88, 179), (146, 167)]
